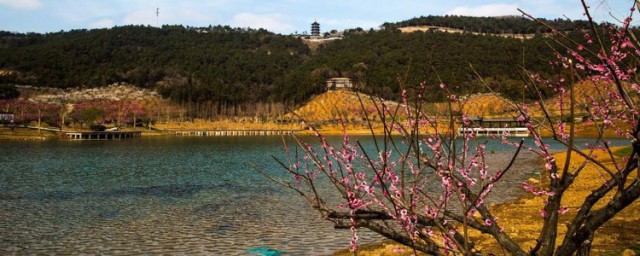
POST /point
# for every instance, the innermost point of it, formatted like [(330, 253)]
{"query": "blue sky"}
[(280, 16)]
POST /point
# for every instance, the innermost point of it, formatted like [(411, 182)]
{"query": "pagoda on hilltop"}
[(315, 29)]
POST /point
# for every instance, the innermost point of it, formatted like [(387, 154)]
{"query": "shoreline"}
[(163, 129)]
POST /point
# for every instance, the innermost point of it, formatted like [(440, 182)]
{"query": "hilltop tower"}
[(315, 29)]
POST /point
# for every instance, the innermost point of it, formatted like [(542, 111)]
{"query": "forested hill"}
[(378, 59), (222, 65), (492, 25), (185, 64)]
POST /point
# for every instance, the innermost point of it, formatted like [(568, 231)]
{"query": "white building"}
[(339, 83)]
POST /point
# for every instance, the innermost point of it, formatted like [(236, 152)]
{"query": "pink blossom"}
[(543, 213), (548, 165), (354, 241), (535, 191), (626, 44), (563, 210), (397, 250)]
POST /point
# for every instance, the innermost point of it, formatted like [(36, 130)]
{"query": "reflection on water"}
[(154, 196)]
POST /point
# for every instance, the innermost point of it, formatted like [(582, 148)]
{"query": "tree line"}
[(218, 69), (493, 25)]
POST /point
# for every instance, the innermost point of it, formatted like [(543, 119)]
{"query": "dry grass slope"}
[(412, 29), (339, 105), (488, 105)]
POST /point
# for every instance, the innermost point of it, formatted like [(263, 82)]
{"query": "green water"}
[(165, 195), (175, 195)]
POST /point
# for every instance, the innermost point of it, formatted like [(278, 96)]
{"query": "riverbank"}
[(583, 130), (615, 238), (24, 134), (29, 134)]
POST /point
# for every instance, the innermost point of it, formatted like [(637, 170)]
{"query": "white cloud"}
[(103, 23), (145, 17), (485, 10), (22, 4), (271, 22)]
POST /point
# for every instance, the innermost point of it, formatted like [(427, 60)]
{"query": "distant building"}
[(339, 83), (5, 116), (315, 29)]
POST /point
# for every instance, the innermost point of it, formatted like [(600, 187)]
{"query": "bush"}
[(8, 92), (97, 127)]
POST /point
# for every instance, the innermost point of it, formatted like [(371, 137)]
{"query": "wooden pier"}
[(106, 135), (508, 127), (234, 133)]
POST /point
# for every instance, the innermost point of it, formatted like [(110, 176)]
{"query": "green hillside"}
[(494, 25), (210, 69)]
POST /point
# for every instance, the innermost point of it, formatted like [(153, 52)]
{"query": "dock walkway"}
[(105, 135), (234, 133)]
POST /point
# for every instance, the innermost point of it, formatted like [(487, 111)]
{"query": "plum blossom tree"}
[(137, 110), (28, 109), (427, 187)]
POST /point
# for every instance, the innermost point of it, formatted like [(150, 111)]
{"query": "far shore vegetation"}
[(333, 112)]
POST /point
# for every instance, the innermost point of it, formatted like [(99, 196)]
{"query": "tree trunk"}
[(39, 119), (585, 247), (62, 117)]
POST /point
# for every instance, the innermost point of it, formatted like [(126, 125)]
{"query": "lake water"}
[(165, 195)]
